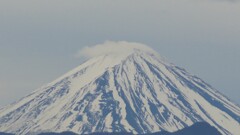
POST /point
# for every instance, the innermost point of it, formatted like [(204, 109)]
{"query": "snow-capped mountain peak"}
[(134, 92)]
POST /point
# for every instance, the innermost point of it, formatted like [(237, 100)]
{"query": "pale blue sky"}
[(39, 38)]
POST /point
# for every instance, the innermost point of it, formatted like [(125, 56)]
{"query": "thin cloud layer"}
[(112, 47)]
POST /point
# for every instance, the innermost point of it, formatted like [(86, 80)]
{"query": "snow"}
[(108, 123)]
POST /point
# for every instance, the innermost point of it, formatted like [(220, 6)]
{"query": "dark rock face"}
[(1, 133)]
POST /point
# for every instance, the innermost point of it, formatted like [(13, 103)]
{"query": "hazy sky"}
[(40, 38)]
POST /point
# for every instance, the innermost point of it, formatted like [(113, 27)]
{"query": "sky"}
[(39, 39)]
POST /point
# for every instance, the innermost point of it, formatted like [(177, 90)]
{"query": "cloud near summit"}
[(112, 47)]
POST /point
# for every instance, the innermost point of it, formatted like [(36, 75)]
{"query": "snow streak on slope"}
[(137, 92)]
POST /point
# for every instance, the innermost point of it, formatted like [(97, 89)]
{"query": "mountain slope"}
[(138, 92), (201, 128)]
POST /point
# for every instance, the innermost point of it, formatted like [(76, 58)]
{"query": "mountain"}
[(200, 128), (62, 133), (2, 133), (136, 92)]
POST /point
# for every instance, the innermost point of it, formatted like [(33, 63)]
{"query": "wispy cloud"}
[(112, 47)]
